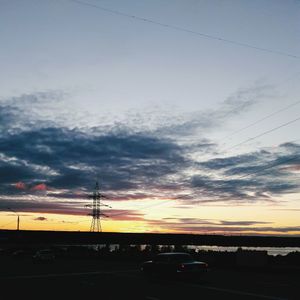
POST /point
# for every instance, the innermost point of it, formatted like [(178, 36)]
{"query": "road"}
[(113, 280)]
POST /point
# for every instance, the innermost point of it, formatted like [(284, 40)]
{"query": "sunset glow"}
[(188, 126)]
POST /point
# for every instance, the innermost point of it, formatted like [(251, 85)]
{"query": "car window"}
[(181, 258), (161, 258), (45, 252)]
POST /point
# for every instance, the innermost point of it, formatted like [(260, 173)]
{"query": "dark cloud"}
[(224, 189), (43, 98), (40, 219), (236, 230), (43, 206), (294, 167), (251, 176), (40, 158), (272, 167), (125, 215), (132, 167), (195, 221), (71, 158), (292, 146), (236, 104), (123, 196), (232, 161), (191, 225), (21, 113), (67, 208), (16, 171), (242, 223)]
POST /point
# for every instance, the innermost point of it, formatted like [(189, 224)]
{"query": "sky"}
[(186, 112)]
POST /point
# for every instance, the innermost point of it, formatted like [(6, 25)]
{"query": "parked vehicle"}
[(174, 263), (44, 255), (22, 253)]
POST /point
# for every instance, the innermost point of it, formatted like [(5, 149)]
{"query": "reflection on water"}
[(271, 250)]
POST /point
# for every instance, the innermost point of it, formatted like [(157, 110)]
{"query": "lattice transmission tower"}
[(96, 209)]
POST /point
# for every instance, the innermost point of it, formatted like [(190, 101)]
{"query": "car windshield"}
[(180, 258), (45, 252)]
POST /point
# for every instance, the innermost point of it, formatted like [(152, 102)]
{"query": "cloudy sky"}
[(187, 112)]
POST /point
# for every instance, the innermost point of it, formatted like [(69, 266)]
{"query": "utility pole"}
[(18, 218), (96, 209)]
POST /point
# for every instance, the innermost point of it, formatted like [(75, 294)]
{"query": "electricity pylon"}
[(96, 209)]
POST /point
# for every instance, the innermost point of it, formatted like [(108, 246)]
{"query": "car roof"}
[(174, 253)]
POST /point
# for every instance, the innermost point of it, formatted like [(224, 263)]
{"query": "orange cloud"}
[(295, 167), (40, 219), (40, 187), (20, 185)]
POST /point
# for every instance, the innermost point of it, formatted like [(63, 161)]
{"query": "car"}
[(174, 263), (22, 253), (44, 255)]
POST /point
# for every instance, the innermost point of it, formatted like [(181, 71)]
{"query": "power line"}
[(269, 167), (116, 12), (263, 133), (261, 120), (186, 30), (245, 175), (143, 207), (213, 38), (240, 177), (18, 217), (270, 115)]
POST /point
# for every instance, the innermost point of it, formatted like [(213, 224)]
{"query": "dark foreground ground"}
[(67, 278)]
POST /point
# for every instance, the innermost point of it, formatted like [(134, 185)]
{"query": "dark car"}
[(22, 253), (174, 263), (44, 255)]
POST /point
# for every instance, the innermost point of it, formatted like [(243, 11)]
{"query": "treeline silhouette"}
[(28, 237), (138, 253)]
